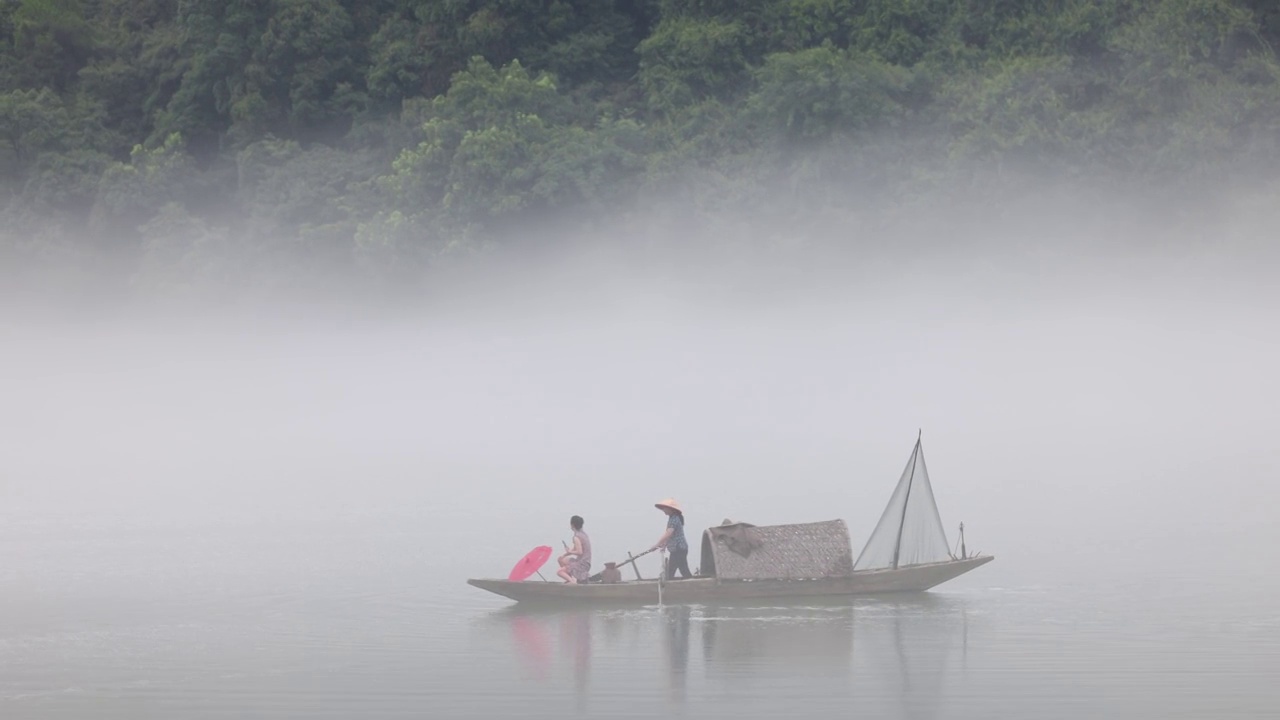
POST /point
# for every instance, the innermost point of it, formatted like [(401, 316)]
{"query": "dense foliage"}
[(199, 138)]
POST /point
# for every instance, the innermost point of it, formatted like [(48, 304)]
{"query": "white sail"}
[(910, 530)]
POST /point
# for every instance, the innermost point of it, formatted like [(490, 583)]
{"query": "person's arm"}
[(662, 541), (576, 550)]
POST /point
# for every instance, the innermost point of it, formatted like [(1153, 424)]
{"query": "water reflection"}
[(752, 639), (897, 667), (676, 621), (575, 637), (532, 644), (905, 652)]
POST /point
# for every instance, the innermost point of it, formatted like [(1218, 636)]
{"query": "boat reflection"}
[(575, 638), (753, 639), (897, 667), (676, 621), (905, 652), (533, 645)]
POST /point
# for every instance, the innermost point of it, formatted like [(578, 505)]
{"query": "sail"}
[(910, 530)]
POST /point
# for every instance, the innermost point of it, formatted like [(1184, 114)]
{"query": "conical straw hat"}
[(669, 503)]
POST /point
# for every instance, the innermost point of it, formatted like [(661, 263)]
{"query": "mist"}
[(1095, 406), (1069, 404)]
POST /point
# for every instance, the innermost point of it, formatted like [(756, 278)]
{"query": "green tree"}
[(218, 43), (814, 96), (500, 150), (53, 41), (31, 122), (52, 150), (262, 66), (131, 194), (904, 32), (137, 67), (688, 60), (420, 45), (1194, 81), (302, 70)]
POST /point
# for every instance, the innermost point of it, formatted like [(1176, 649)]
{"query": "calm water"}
[(354, 615)]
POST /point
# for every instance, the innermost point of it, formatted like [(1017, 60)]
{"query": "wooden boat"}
[(907, 552)]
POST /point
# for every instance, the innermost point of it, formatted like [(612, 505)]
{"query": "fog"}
[(1087, 404), (272, 504)]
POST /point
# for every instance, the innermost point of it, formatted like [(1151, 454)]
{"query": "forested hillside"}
[(195, 139)]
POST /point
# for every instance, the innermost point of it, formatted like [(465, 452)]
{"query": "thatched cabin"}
[(807, 551)]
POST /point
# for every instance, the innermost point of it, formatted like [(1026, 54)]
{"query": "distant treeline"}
[(200, 138)]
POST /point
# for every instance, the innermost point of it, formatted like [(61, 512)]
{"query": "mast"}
[(906, 501)]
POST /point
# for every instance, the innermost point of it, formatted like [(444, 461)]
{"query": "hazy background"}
[(225, 511)]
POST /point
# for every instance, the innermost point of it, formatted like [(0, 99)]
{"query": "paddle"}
[(597, 576)]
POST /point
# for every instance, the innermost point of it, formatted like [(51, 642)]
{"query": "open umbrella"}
[(531, 563)]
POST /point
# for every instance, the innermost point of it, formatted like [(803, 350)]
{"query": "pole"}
[(662, 579), (598, 576), (634, 566)]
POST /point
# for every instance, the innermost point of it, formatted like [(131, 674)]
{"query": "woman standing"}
[(575, 563), (673, 540)]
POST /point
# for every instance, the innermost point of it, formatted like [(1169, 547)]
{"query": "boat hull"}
[(704, 590)]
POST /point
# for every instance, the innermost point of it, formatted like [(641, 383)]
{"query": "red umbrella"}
[(531, 563)]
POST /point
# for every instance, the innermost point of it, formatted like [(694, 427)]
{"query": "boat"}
[(907, 551)]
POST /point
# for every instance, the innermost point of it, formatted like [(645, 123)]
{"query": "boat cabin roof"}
[(740, 551)]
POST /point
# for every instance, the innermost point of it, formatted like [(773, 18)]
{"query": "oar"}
[(597, 576)]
